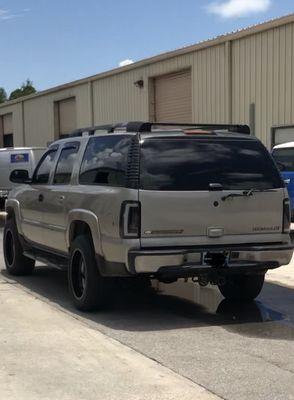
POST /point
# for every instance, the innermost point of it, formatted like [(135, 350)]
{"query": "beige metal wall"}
[(17, 121), (226, 78), (39, 114), (117, 99), (263, 73)]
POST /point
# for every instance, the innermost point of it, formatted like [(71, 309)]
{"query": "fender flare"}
[(91, 220), (13, 204)]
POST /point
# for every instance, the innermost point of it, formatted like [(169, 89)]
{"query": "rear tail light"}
[(130, 219), (286, 216)]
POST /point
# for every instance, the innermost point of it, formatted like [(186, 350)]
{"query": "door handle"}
[(41, 197), (60, 198)]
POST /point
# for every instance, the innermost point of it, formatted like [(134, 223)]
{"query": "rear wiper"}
[(246, 193)]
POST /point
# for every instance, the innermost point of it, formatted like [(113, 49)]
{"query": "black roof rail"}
[(147, 126), (139, 126)]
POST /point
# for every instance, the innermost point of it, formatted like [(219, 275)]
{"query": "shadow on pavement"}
[(175, 306)]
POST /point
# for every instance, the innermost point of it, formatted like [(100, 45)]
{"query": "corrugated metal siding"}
[(173, 97), (263, 69), (16, 111), (118, 99), (39, 114), (262, 72), (209, 85)]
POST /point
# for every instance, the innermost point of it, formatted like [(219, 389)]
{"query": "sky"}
[(57, 41)]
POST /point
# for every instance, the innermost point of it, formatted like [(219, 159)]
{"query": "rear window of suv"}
[(189, 164)]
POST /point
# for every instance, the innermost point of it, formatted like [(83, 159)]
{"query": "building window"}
[(65, 117)]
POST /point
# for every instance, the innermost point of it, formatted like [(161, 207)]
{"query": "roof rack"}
[(145, 127)]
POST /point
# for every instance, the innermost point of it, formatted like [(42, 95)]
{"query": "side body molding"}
[(13, 204), (91, 220)]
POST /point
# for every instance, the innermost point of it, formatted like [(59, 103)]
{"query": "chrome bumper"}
[(153, 261)]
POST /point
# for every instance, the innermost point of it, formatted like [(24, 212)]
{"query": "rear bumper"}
[(192, 261)]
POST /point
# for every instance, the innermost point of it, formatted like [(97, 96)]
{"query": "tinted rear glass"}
[(186, 164), (284, 159)]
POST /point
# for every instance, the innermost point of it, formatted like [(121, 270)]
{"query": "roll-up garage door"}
[(67, 116), (7, 124), (7, 130), (173, 97), (282, 134)]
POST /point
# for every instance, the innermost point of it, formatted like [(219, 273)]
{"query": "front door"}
[(32, 199)]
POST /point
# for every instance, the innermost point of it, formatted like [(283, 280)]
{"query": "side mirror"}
[(287, 181), (20, 176)]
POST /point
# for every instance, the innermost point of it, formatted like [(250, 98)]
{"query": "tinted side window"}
[(65, 165), (42, 173), (105, 161)]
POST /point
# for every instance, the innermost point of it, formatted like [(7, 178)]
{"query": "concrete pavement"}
[(46, 354)]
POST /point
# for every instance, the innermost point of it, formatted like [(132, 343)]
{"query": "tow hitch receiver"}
[(216, 259)]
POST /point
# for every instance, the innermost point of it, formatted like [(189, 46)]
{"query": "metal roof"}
[(253, 29)]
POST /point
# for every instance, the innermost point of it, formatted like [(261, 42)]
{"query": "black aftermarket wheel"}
[(88, 289), (242, 287), (15, 261)]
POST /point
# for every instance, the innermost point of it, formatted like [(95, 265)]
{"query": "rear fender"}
[(91, 220)]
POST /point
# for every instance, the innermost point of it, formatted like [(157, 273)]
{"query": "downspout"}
[(229, 69)]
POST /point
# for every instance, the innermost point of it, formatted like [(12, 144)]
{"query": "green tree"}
[(3, 95), (26, 89)]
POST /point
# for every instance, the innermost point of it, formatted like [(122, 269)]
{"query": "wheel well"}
[(79, 228)]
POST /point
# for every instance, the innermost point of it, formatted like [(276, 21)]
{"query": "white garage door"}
[(173, 97), (283, 135)]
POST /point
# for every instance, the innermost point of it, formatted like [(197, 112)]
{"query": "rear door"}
[(56, 196), (184, 184)]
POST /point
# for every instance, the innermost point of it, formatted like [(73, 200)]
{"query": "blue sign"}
[(19, 158)]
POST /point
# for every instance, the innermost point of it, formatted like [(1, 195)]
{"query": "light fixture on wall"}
[(139, 84)]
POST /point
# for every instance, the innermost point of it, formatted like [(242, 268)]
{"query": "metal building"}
[(243, 77)]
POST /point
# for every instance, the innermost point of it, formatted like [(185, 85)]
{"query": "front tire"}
[(15, 261), (242, 287), (88, 289)]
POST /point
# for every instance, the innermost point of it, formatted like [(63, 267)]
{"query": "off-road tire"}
[(15, 261), (89, 291), (242, 287)]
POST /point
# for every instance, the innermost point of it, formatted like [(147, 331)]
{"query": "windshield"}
[(284, 158), (189, 164)]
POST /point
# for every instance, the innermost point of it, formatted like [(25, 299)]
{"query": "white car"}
[(16, 158)]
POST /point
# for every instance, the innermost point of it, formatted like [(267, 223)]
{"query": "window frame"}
[(124, 135), (67, 146), (49, 151)]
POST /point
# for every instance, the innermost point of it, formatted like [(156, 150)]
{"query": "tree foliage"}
[(3, 95), (26, 89)]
